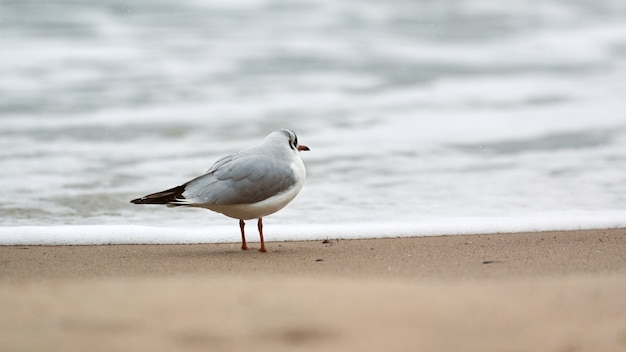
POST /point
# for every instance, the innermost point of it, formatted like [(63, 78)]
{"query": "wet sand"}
[(545, 291)]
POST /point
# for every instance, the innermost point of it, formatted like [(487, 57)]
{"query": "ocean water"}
[(423, 117)]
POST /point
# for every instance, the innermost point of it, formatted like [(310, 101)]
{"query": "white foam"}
[(133, 234)]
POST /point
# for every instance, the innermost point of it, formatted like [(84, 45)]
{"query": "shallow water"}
[(423, 117)]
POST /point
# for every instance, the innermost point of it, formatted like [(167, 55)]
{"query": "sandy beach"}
[(545, 291)]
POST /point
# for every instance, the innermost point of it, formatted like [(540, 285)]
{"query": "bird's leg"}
[(260, 225), (243, 235)]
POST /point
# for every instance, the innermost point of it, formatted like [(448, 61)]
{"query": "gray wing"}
[(240, 179)]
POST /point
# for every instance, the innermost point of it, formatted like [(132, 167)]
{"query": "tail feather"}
[(168, 197)]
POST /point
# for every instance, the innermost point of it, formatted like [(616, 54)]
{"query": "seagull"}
[(249, 184)]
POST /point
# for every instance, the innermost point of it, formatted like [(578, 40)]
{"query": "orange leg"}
[(243, 235), (260, 225)]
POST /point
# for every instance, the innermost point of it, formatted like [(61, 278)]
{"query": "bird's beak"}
[(303, 148)]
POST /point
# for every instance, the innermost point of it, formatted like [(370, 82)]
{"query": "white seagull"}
[(249, 184)]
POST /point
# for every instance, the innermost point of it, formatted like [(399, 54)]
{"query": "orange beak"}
[(302, 148)]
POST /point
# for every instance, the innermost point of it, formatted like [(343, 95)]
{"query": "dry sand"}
[(548, 291)]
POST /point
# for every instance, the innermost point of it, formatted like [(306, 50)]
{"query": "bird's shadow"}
[(222, 251)]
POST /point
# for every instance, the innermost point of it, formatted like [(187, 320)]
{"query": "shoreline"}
[(547, 291), (441, 257)]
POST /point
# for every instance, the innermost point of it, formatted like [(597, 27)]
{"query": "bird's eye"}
[(293, 141)]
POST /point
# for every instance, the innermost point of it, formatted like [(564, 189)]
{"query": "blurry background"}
[(439, 112)]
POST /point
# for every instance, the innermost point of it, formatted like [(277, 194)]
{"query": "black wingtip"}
[(165, 197)]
